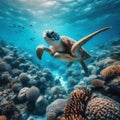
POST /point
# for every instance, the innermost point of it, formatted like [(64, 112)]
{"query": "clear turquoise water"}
[(22, 22)]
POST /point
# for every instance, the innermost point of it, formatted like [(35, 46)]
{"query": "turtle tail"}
[(84, 66)]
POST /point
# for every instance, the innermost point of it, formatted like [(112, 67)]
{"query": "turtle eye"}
[(49, 35)]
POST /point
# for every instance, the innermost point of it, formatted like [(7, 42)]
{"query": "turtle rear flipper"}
[(84, 66), (83, 54)]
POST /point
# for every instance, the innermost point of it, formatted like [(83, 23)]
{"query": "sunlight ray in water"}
[(61, 79)]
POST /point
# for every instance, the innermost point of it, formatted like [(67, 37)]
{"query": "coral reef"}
[(55, 109), (3, 117), (9, 109), (102, 109), (41, 104), (4, 66), (18, 70), (32, 93), (76, 105), (97, 83), (24, 79), (54, 93), (22, 94), (110, 72), (114, 85), (19, 73)]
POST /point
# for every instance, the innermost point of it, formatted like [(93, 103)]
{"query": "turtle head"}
[(51, 37)]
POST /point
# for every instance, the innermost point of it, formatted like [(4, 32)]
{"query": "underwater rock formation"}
[(22, 94), (55, 92), (55, 109), (111, 76), (97, 83), (4, 66), (41, 104), (24, 79), (9, 109), (17, 71), (5, 78)]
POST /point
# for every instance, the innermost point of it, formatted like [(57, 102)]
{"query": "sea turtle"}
[(65, 48)]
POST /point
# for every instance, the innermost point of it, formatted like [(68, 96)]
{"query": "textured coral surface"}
[(75, 107), (110, 72), (102, 109)]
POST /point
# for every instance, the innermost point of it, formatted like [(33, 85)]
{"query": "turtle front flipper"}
[(39, 51), (78, 44)]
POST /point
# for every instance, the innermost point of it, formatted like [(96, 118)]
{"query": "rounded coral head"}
[(110, 72), (103, 109)]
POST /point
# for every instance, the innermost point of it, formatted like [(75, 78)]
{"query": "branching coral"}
[(75, 107), (110, 72), (102, 109)]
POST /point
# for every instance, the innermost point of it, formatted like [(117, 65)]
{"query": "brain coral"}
[(102, 109), (110, 72), (32, 93), (23, 77), (75, 107)]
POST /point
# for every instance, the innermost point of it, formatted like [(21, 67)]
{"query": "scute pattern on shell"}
[(75, 107), (102, 109)]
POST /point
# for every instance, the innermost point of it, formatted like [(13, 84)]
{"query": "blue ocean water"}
[(22, 23)]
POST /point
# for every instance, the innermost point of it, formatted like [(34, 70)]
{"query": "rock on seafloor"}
[(22, 83)]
